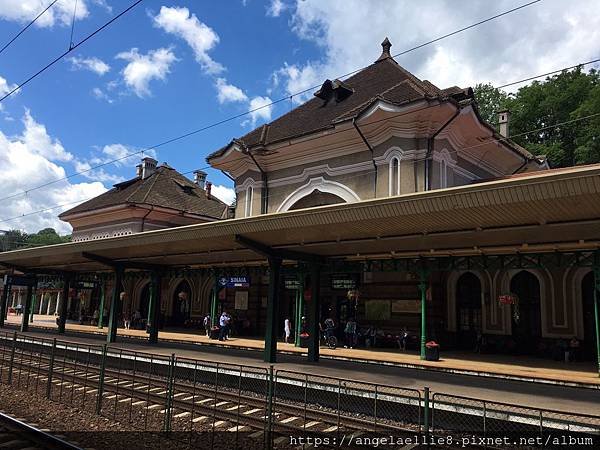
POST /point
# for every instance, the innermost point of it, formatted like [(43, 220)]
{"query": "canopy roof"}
[(546, 211)]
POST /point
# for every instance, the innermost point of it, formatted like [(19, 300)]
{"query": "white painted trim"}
[(319, 170), (576, 289), (391, 176), (249, 201), (323, 185), (451, 284), (396, 151), (248, 182)]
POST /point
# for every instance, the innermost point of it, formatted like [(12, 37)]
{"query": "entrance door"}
[(182, 298), (468, 310), (589, 322), (526, 316), (144, 301)]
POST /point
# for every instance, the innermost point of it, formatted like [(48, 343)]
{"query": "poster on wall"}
[(241, 300), (378, 309), (406, 306)]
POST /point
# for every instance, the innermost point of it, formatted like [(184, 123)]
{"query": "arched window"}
[(249, 198), (395, 176), (443, 173)]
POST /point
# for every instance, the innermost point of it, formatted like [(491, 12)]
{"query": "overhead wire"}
[(15, 37)]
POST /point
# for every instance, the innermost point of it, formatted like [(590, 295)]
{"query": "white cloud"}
[(223, 193), (536, 39), (27, 160), (25, 10), (228, 92), (5, 88), (94, 64), (116, 155), (275, 8), (142, 69), (261, 110), (101, 95), (200, 37)]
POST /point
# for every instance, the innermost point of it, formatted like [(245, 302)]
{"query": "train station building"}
[(384, 199)]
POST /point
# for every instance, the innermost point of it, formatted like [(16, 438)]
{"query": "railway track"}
[(191, 406), (18, 435)]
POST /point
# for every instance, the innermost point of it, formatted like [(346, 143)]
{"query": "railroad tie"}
[(233, 408), (141, 387), (111, 397), (237, 428), (220, 403), (204, 401), (141, 402), (330, 429), (289, 419), (199, 419), (156, 405), (252, 411), (183, 414), (256, 435), (187, 398), (156, 389), (281, 440), (126, 399), (122, 382), (161, 392), (219, 423), (180, 394), (311, 424)]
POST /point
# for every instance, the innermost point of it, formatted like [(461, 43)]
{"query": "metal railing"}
[(205, 403)]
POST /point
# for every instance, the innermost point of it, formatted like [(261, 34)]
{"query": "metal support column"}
[(4, 301), (33, 300), (299, 308), (214, 299), (62, 307), (101, 307), (112, 318), (154, 308), (423, 291), (27, 309), (597, 312), (313, 313), (272, 306)]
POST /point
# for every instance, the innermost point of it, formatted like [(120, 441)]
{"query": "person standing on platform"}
[(127, 320), (350, 332), (223, 326), (287, 328), (207, 324)]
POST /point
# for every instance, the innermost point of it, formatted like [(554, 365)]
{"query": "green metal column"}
[(313, 314), (101, 307), (62, 311), (112, 318), (273, 300), (154, 309), (214, 302), (27, 309), (33, 300), (4, 301), (423, 290), (597, 313), (299, 308)]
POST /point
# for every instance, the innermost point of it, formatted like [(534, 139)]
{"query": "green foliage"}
[(15, 239), (542, 104)]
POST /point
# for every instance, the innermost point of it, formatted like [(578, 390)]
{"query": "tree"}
[(15, 239), (542, 105)]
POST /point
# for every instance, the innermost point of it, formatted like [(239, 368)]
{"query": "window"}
[(443, 173), (249, 198), (395, 176)]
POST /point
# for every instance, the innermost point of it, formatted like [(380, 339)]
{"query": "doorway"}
[(182, 297), (589, 322), (468, 310), (526, 314)]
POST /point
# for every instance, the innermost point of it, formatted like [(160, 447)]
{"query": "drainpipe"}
[(146, 215), (430, 143), (372, 155), (265, 190)]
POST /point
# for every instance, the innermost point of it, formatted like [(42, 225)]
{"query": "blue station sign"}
[(234, 282)]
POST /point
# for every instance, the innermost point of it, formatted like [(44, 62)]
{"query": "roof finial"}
[(385, 54)]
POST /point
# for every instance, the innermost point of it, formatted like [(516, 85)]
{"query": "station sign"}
[(21, 280), (235, 282), (344, 281), (86, 285), (291, 283)]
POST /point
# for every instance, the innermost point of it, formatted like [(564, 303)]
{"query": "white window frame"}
[(249, 199), (394, 183)]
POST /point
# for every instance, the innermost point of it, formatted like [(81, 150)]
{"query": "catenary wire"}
[(62, 55), (15, 37)]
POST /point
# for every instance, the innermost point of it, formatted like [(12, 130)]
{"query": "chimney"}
[(138, 171), (199, 177), (207, 188), (503, 120), (148, 167)]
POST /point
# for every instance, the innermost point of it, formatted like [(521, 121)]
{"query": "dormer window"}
[(249, 198), (395, 176)]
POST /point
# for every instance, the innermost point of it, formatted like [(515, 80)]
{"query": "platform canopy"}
[(556, 210)]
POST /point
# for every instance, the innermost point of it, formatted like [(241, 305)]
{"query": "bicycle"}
[(330, 341)]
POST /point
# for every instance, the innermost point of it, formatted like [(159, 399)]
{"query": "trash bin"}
[(304, 340), (432, 351), (214, 332)]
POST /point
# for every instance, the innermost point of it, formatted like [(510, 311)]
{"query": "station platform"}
[(515, 368)]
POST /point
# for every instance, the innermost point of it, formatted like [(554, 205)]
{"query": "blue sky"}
[(169, 67)]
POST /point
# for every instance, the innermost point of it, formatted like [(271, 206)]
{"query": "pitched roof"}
[(383, 80), (165, 188)]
